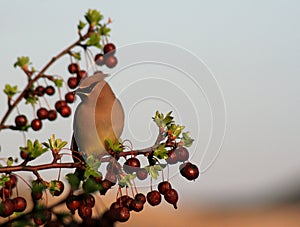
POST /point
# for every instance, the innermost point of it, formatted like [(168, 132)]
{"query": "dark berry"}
[(73, 82), (70, 97), (59, 104), (49, 90), (111, 61), (36, 124), (73, 203), (131, 165), (136, 206), (42, 113), (52, 115), (65, 111), (112, 177), (99, 59), (141, 198), (12, 181), (172, 159), (73, 68), (21, 120), (85, 211), (141, 174), (182, 154), (19, 204), (40, 90), (171, 196), (36, 195), (81, 74), (121, 214), (109, 48), (41, 217), (163, 187), (24, 155), (6, 208), (89, 200), (5, 193), (154, 198), (189, 171), (113, 167)]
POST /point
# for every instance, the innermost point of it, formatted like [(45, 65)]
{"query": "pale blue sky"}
[(252, 47)]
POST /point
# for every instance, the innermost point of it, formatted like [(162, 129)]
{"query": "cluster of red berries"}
[(83, 203), (108, 57), (10, 205)]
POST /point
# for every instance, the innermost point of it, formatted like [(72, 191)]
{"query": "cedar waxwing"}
[(98, 117)]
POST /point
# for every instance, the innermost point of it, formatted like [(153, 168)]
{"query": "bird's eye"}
[(87, 90)]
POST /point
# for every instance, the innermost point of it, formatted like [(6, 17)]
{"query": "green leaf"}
[(22, 61), (53, 187), (161, 152), (92, 166), (93, 17), (161, 120), (34, 149), (38, 187), (175, 129), (153, 170), (126, 180), (104, 30), (55, 145), (94, 40), (81, 25), (90, 185), (77, 55), (10, 91), (4, 178), (58, 82), (31, 100), (186, 139), (114, 146), (23, 222), (9, 161), (73, 180)]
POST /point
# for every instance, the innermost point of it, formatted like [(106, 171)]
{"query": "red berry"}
[(41, 217), (89, 200), (73, 82), (42, 113), (154, 198), (5, 193), (111, 61), (131, 165), (52, 115), (20, 121), (164, 186), (109, 48), (12, 181), (141, 174), (36, 195), (59, 104), (49, 90), (6, 208), (171, 196), (182, 154), (84, 211), (40, 90), (36, 124), (65, 111), (173, 159), (19, 204), (99, 59), (136, 206), (70, 97), (81, 74), (73, 68), (121, 214), (73, 203), (23, 155), (189, 171), (141, 198)]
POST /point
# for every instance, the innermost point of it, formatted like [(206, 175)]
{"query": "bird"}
[(98, 117)]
